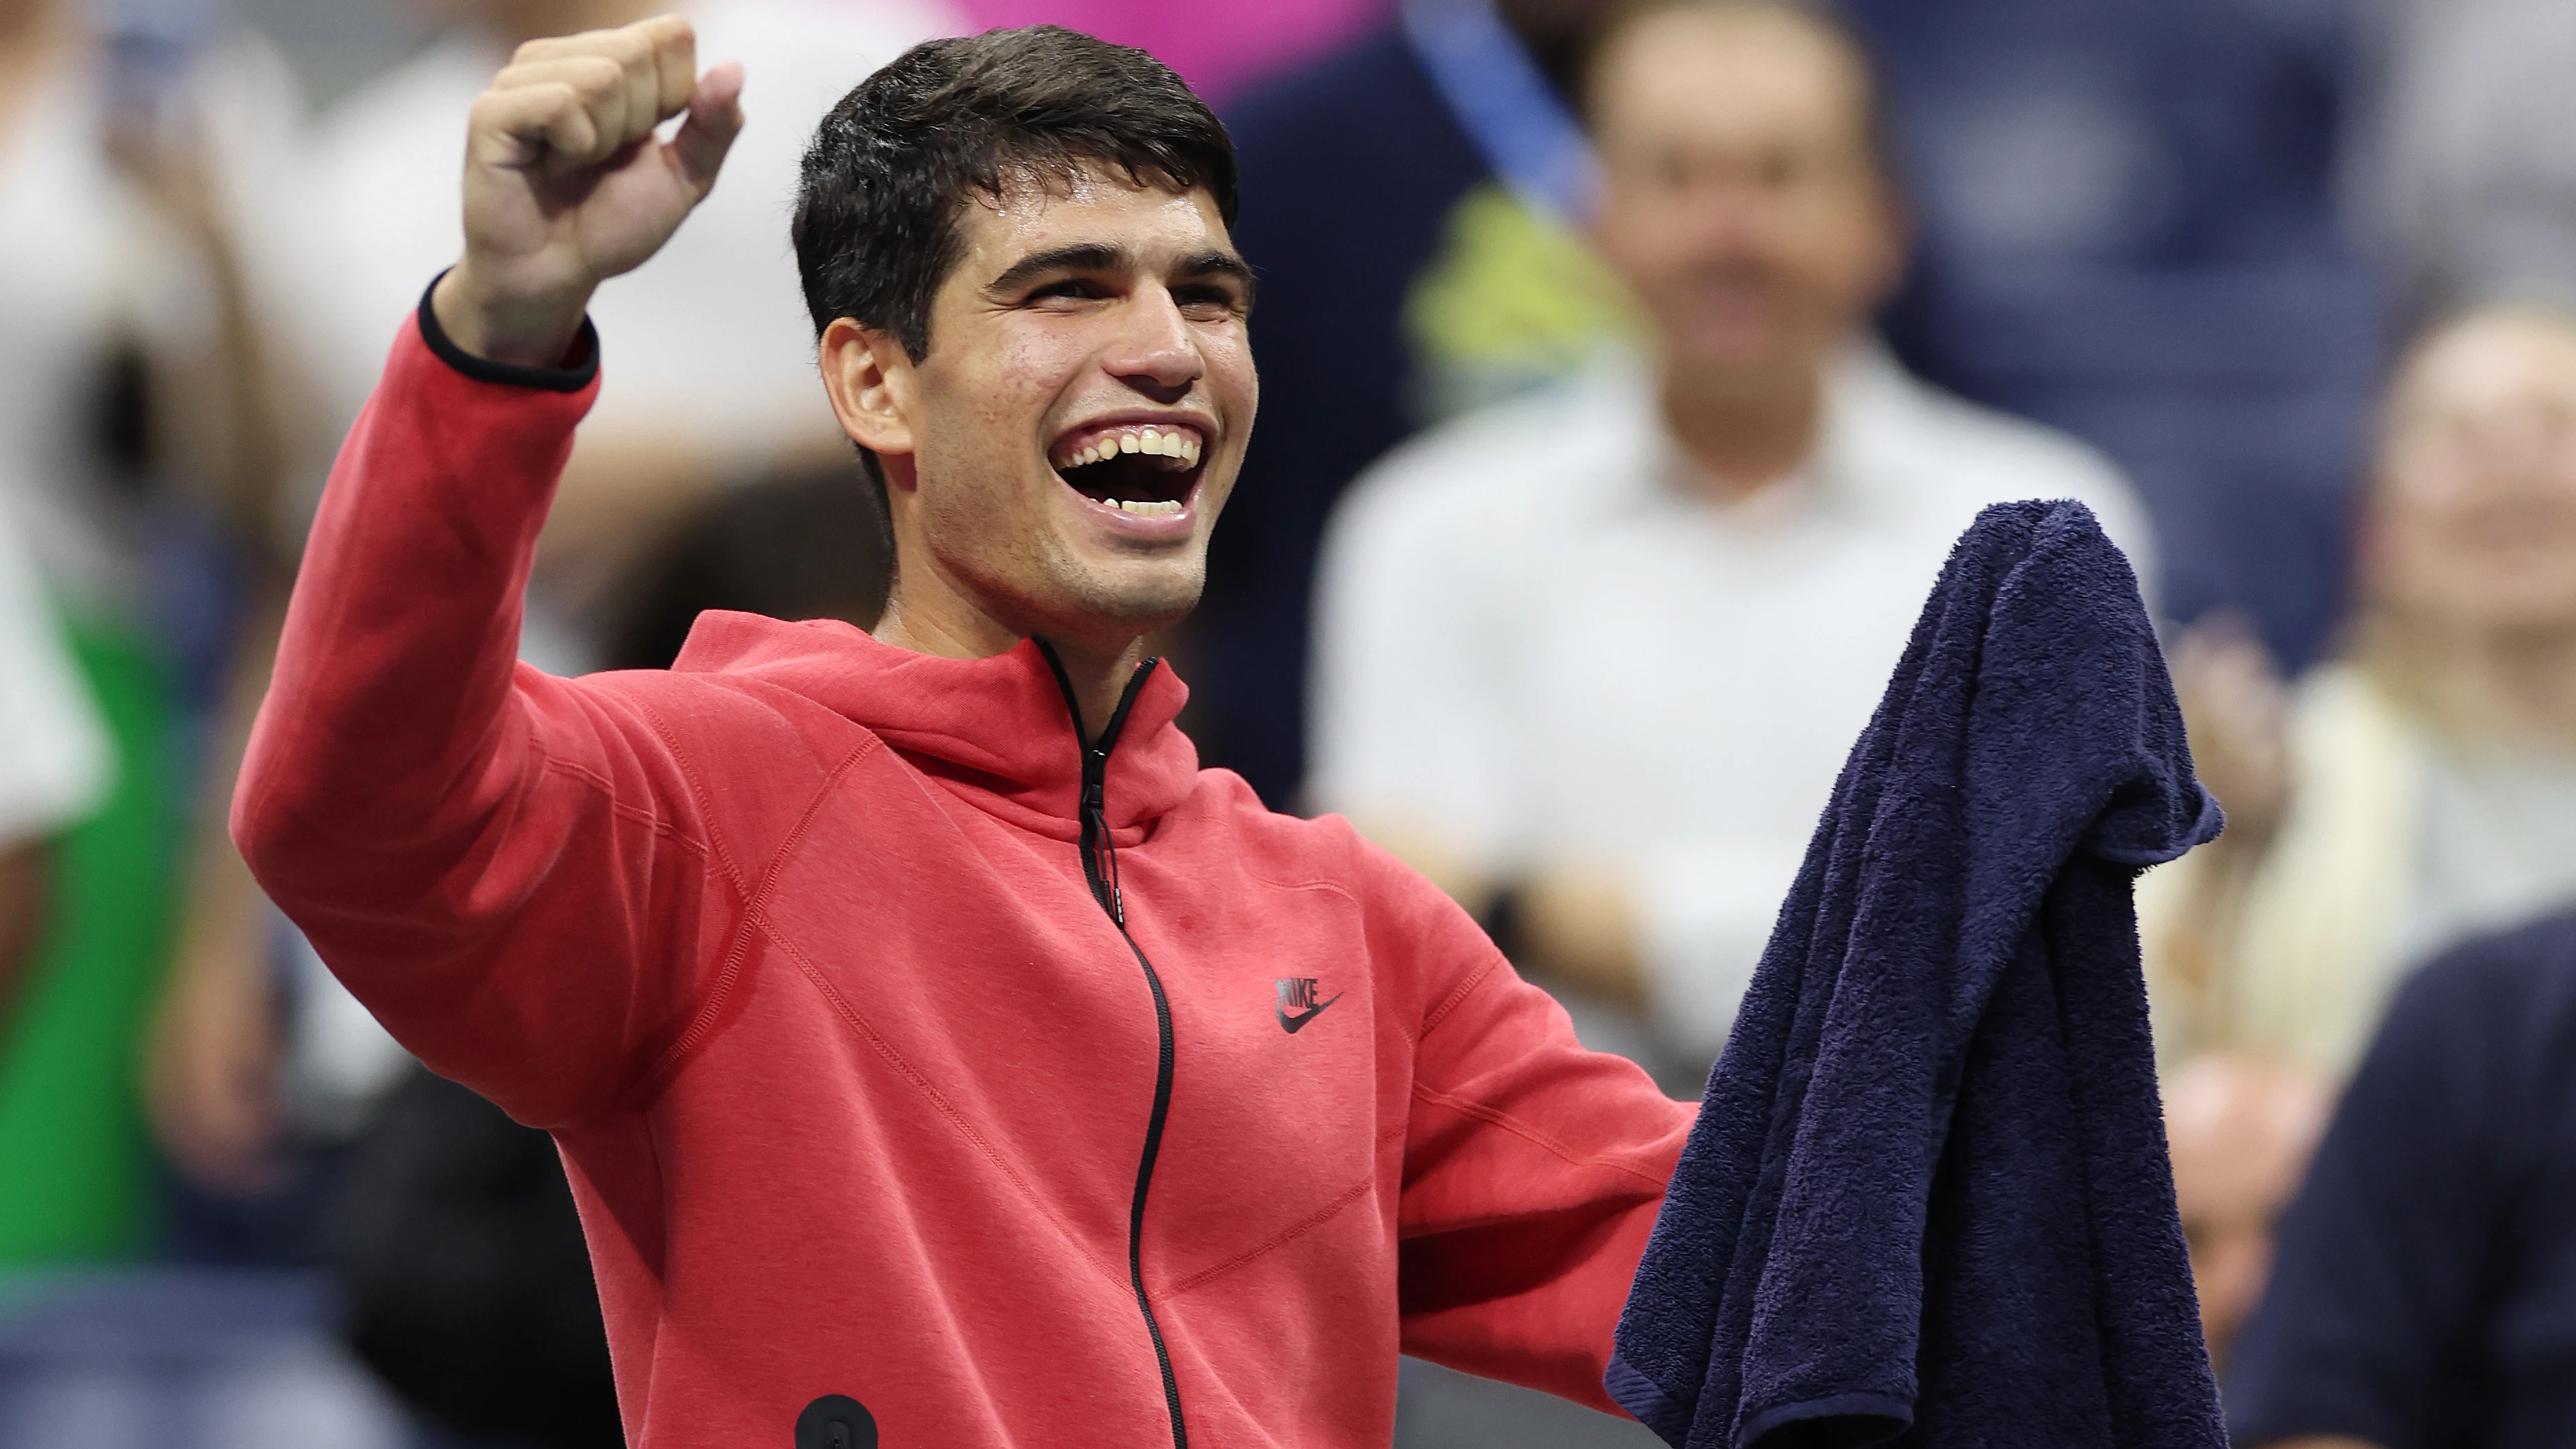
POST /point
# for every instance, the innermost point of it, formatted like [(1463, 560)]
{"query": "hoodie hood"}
[(996, 730)]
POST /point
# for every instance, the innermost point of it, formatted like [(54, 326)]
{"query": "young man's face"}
[(1081, 413)]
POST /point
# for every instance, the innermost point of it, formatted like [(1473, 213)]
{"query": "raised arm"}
[(509, 869)]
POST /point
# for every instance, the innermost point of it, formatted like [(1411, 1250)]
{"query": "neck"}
[(939, 618), (1745, 435), (2515, 688)]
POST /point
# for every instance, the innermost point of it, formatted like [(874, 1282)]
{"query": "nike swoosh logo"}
[(1292, 1023)]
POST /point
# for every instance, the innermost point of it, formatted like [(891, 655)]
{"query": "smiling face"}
[(1058, 455), (2471, 524)]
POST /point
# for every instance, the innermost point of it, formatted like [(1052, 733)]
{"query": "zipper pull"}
[(1095, 816)]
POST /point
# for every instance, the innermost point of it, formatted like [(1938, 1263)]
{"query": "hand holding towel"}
[(1927, 1200)]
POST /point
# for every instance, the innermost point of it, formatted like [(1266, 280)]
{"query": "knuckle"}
[(599, 77), (556, 101)]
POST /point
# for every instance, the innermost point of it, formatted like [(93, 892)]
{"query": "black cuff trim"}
[(510, 374)]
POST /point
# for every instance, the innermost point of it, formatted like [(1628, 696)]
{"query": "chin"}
[(1139, 599)]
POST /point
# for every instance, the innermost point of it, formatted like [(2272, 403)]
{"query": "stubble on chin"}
[(1143, 601)]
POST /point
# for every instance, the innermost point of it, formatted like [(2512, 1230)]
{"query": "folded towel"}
[(1927, 1200)]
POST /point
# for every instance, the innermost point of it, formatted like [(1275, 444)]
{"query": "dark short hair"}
[(893, 166), (895, 162)]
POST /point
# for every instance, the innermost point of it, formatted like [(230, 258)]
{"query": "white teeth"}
[(1150, 509), (1175, 443)]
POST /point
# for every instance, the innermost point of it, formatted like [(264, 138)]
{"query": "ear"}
[(869, 378)]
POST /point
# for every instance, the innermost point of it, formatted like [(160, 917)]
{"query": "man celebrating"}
[(931, 1044)]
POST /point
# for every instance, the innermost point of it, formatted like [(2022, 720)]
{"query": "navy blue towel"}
[(1927, 1200)]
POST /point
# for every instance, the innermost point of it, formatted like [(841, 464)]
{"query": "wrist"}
[(516, 331)]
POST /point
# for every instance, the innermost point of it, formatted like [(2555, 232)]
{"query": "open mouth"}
[(1145, 470)]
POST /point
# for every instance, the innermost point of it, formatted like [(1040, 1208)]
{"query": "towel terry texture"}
[(1927, 1200)]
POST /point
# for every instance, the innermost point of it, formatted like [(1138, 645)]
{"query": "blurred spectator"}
[(1414, 204), (802, 545), (708, 354), (136, 411), (55, 768), (2426, 1276), (707, 379), (2240, 1130), (2431, 771), (465, 1282), (2132, 227), (2467, 184), (1599, 654)]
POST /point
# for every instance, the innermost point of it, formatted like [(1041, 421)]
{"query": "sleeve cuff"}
[(585, 347)]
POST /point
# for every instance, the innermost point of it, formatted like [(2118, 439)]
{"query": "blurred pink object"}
[(1216, 47)]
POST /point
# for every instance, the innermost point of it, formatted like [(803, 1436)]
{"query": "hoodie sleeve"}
[(1533, 1168), (505, 867)]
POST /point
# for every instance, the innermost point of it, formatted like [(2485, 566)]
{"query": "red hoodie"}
[(802, 952)]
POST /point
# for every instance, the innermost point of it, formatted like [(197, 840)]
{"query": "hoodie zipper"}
[(1100, 872)]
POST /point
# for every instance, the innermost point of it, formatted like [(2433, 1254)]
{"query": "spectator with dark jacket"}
[(2424, 1295)]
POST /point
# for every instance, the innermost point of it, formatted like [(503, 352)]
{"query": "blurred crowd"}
[(1628, 369)]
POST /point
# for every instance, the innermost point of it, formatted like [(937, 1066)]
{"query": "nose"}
[(1155, 353)]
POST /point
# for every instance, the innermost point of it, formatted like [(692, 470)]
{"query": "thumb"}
[(715, 118)]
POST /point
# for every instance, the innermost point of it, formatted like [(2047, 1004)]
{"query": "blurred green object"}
[(73, 1185), (1513, 301)]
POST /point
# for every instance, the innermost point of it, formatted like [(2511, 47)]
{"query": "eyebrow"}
[(1215, 263), (1107, 257), (1078, 257)]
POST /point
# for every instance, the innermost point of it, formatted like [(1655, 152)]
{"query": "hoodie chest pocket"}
[(1276, 1104)]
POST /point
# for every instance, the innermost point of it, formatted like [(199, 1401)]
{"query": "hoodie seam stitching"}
[(1310, 883), (1497, 1117), (1457, 994), (698, 793), (1316, 1219), (632, 814), (753, 913)]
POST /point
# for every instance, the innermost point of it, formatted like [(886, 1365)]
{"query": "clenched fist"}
[(566, 184)]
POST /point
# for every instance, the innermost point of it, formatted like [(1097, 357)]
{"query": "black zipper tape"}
[(1100, 873)]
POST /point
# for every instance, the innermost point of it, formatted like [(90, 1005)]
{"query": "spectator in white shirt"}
[(1592, 659)]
